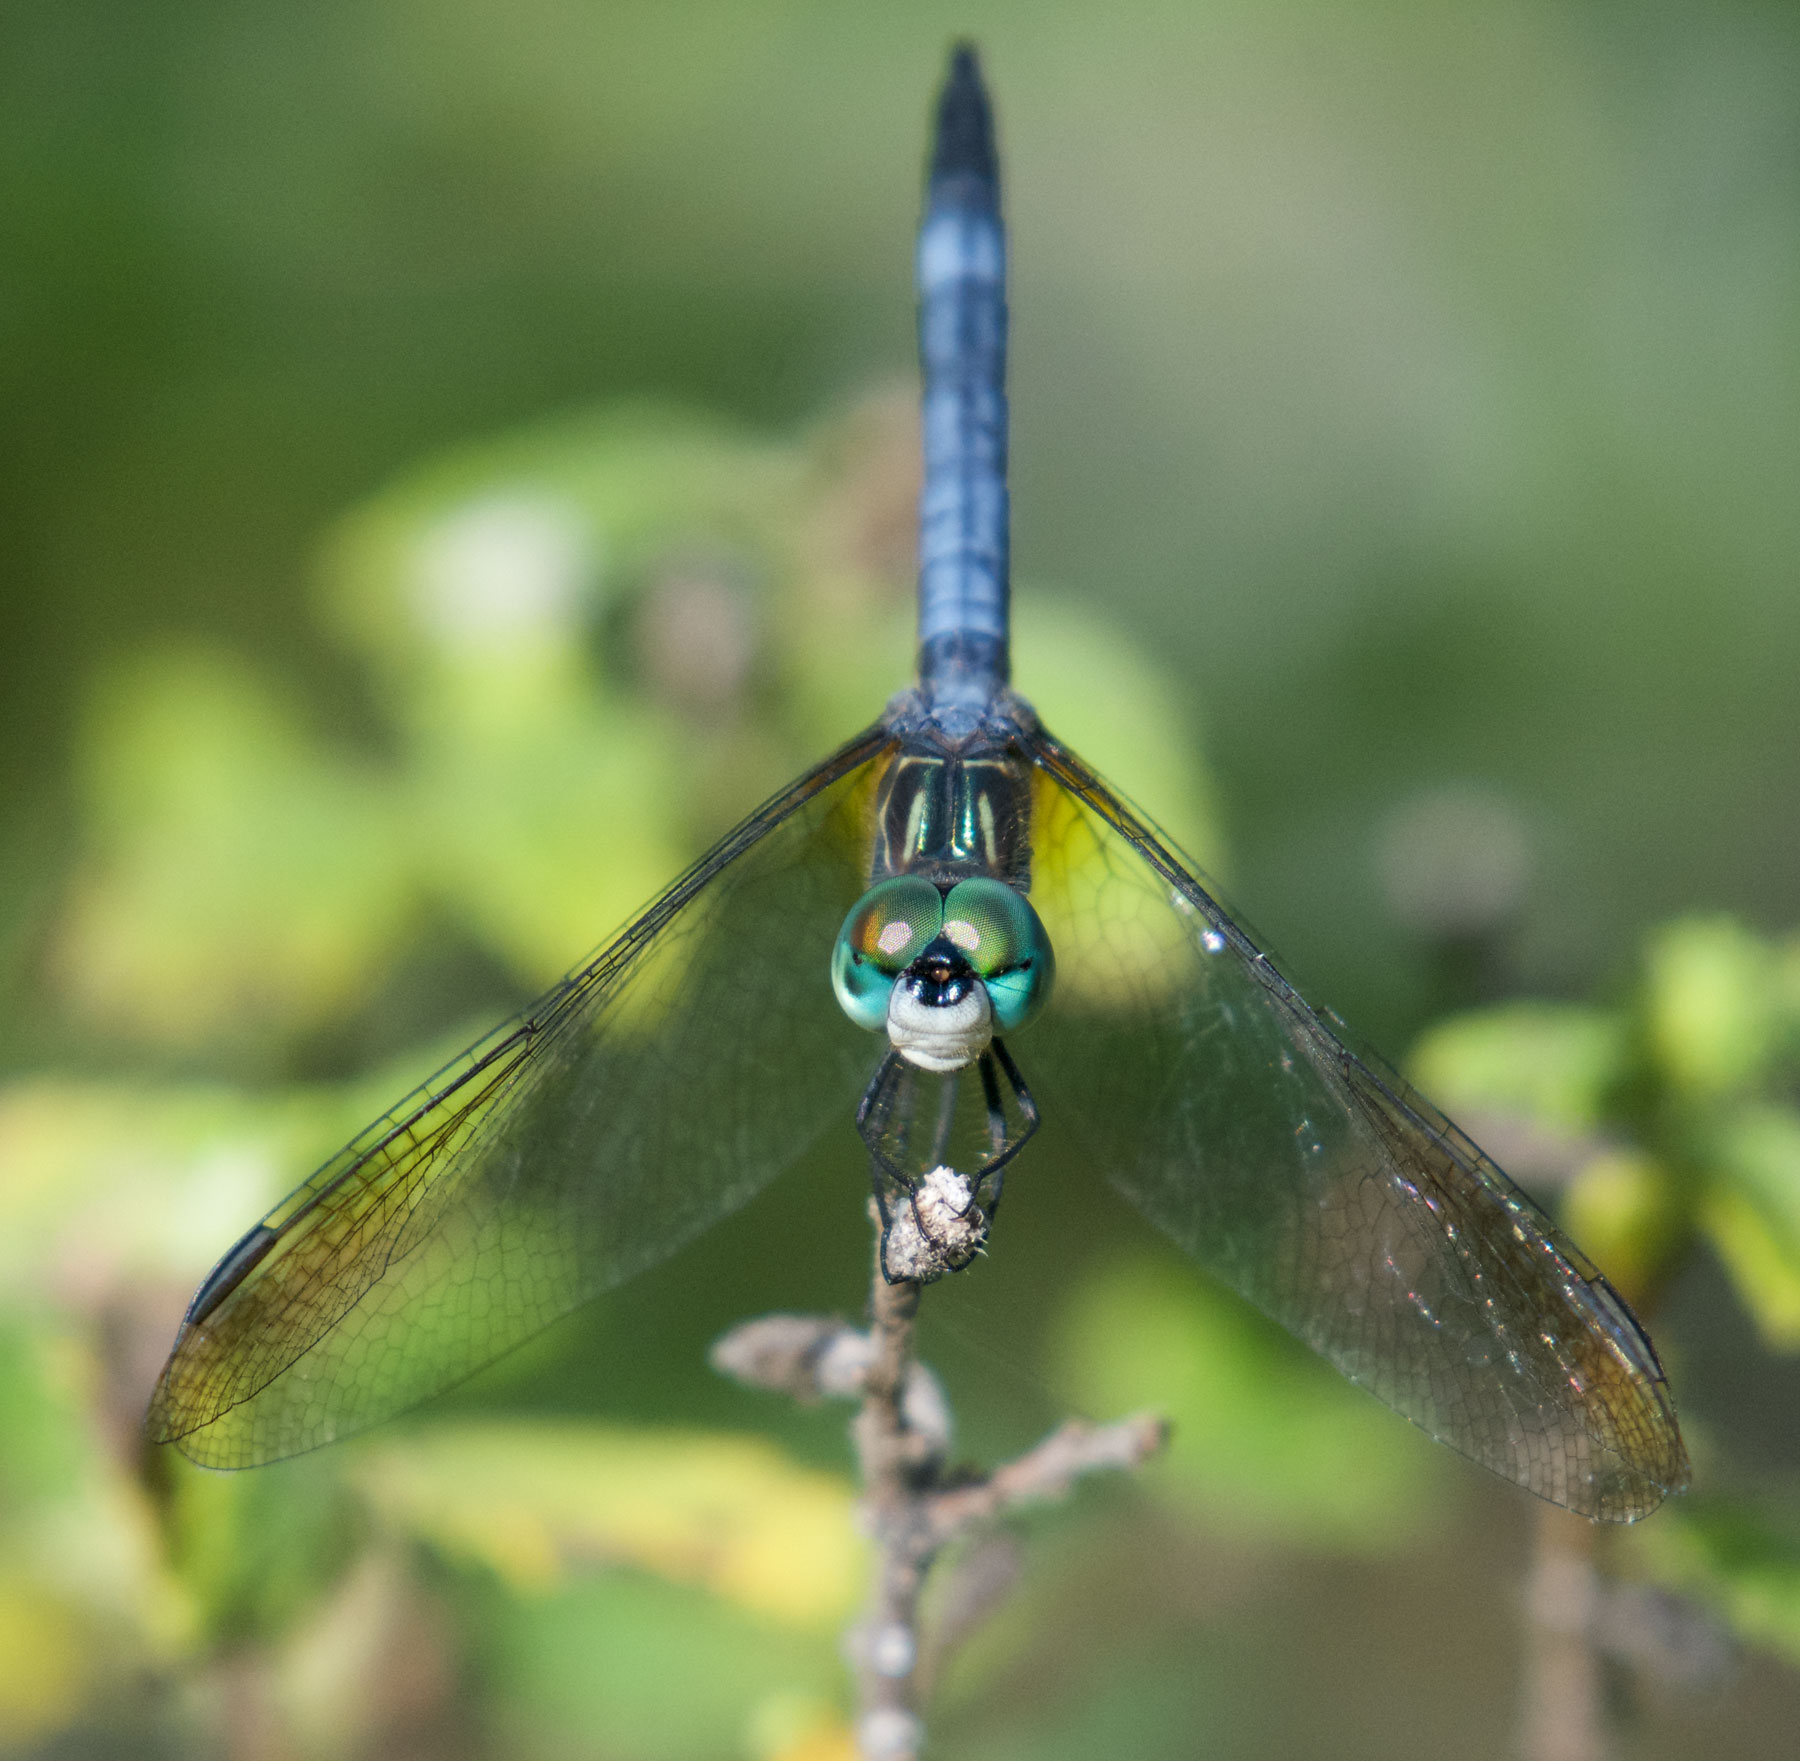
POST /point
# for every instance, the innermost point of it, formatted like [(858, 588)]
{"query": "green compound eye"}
[(1006, 943), (887, 929)]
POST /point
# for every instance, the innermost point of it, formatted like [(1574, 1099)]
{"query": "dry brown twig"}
[(913, 1508)]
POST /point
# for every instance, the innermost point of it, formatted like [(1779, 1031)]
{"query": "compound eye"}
[(887, 929), (1005, 943)]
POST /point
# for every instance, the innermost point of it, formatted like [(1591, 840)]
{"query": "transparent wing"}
[(649, 1095), (1339, 1203)]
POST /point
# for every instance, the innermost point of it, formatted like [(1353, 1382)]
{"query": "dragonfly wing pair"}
[(669, 1080)]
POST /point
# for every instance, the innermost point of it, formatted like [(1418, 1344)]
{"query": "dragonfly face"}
[(967, 877)]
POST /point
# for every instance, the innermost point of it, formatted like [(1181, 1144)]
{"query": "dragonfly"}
[(953, 932)]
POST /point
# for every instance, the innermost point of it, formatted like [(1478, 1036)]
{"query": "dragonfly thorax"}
[(951, 815)]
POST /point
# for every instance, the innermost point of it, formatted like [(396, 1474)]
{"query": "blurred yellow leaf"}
[(830, 1742), (1624, 1208), (535, 1500), (1762, 1263), (44, 1655)]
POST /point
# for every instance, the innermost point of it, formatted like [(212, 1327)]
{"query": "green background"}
[(1407, 394)]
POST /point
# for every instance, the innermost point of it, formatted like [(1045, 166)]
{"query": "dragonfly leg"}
[(886, 1114), (875, 1124), (1027, 1106), (935, 1213), (1006, 1145), (995, 1172)]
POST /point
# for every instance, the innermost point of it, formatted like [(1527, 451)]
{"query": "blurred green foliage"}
[(594, 647), (1676, 1110), (1671, 1124), (1419, 381), (591, 647)]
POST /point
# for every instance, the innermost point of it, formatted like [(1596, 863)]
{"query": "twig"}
[(898, 1473), (911, 1507), (1564, 1719)]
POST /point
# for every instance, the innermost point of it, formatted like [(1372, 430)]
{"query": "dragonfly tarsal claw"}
[(940, 1227)]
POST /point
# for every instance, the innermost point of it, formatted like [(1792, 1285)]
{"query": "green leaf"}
[(1757, 1153), (259, 1551), (127, 1184), (1710, 1005), (1552, 1063), (1761, 1264), (114, 1188), (546, 838), (129, 1179), (79, 1559), (1752, 1214), (42, 1451), (514, 554)]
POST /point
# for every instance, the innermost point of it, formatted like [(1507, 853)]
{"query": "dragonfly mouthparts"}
[(939, 1014)]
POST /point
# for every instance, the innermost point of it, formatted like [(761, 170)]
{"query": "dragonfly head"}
[(942, 969)]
